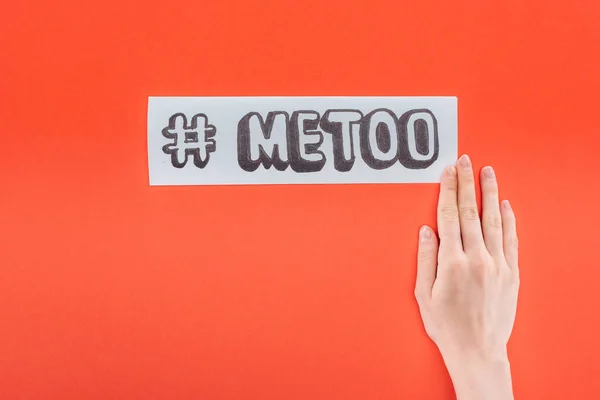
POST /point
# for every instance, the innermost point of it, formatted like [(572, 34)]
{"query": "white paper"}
[(300, 140)]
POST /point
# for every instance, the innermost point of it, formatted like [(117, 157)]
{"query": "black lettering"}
[(379, 138), (263, 142), (339, 123), (418, 137), (305, 155)]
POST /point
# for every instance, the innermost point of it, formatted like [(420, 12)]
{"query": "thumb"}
[(426, 263)]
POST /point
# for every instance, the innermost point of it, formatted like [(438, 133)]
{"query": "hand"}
[(467, 286)]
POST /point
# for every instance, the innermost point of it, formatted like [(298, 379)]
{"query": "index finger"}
[(447, 212)]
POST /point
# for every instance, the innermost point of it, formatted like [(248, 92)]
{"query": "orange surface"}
[(281, 292)]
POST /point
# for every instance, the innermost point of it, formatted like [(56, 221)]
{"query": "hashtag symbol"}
[(189, 140)]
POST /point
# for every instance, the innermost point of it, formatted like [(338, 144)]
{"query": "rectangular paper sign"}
[(292, 140)]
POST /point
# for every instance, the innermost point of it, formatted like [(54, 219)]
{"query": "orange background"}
[(281, 292)]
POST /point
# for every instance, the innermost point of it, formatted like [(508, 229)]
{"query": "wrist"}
[(480, 375), (477, 356)]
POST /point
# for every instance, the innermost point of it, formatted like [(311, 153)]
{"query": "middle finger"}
[(470, 225)]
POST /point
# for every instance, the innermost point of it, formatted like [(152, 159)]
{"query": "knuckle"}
[(456, 261), (467, 177), (449, 213), (449, 190), (452, 184), (469, 213), (480, 259), (452, 257), (512, 242), (516, 279), (419, 296), (425, 256), (493, 221), (480, 256)]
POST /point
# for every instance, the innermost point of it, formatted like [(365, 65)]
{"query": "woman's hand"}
[(467, 285)]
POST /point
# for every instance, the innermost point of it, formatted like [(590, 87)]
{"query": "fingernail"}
[(425, 234), (488, 172), (506, 205), (451, 171), (465, 161)]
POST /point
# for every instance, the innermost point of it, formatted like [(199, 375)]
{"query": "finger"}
[(511, 242), (447, 212), (491, 218), (426, 263), (470, 226)]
